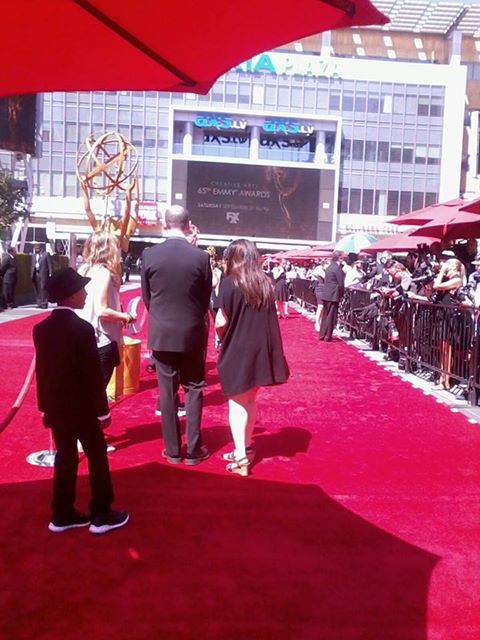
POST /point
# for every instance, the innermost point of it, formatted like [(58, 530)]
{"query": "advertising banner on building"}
[(252, 200)]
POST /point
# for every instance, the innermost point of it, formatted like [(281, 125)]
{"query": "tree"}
[(13, 203)]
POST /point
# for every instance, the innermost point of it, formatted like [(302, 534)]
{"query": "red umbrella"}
[(460, 225), (399, 242), (73, 45), (421, 216), (473, 206)]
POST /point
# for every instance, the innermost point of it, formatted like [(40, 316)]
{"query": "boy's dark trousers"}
[(66, 464)]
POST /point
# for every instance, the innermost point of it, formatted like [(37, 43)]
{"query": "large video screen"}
[(251, 200), (17, 123)]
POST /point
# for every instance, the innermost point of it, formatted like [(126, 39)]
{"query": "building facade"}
[(288, 148)]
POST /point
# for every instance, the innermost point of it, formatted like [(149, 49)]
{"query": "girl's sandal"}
[(240, 467)]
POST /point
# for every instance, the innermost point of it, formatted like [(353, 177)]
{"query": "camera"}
[(464, 293)]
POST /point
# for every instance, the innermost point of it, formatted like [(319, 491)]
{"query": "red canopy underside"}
[(399, 242), (60, 46)]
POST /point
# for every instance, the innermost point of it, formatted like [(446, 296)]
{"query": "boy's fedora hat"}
[(64, 283)]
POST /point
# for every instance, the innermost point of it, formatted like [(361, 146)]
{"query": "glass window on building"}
[(383, 151), (434, 153), (423, 106), (244, 91), (436, 107), (230, 93), (71, 114), (343, 200), (392, 203), (137, 117), (431, 198), (71, 182), (57, 132), (309, 98), (333, 101), (357, 150), (373, 103), (149, 188), (407, 154), (420, 154), (370, 150), (270, 96), (395, 153), (124, 117), (346, 149), (57, 184), (44, 184), (405, 201), (367, 201), (355, 198), (283, 96), (398, 104), (137, 135), (360, 103), (71, 133), (386, 104), (84, 130), (296, 97), (347, 102), (417, 200), (411, 105), (380, 203)]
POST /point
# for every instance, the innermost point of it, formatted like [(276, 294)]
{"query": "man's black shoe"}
[(108, 522), (201, 455), (77, 519), (171, 459)]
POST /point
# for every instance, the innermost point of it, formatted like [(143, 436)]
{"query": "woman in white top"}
[(102, 309)]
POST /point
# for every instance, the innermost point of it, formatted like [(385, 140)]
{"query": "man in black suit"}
[(176, 287), (332, 294), (71, 396), (8, 271), (41, 270)]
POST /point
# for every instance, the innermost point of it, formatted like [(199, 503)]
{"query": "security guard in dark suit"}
[(41, 270), (333, 289)]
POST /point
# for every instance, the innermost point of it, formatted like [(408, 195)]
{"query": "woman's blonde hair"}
[(102, 248), (454, 264)]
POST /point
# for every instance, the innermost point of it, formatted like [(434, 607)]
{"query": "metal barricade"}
[(303, 292)]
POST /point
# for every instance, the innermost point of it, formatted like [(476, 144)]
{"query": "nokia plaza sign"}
[(302, 65)]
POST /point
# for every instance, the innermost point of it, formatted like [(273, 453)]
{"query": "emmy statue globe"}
[(107, 162)]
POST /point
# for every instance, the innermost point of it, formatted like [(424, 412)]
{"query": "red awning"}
[(74, 45)]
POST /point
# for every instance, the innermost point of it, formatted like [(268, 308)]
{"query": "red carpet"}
[(360, 519)]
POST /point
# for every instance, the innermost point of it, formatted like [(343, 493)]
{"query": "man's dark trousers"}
[(188, 369), (329, 319)]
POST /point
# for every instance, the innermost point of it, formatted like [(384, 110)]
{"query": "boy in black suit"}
[(71, 396)]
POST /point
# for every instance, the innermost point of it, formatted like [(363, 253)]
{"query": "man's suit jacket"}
[(8, 268), (70, 389), (333, 287), (176, 288)]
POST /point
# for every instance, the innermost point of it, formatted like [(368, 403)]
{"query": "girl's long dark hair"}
[(242, 263)]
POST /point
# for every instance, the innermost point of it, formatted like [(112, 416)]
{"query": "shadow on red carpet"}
[(209, 557)]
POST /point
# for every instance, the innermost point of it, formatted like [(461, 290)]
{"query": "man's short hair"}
[(336, 255), (176, 217)]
